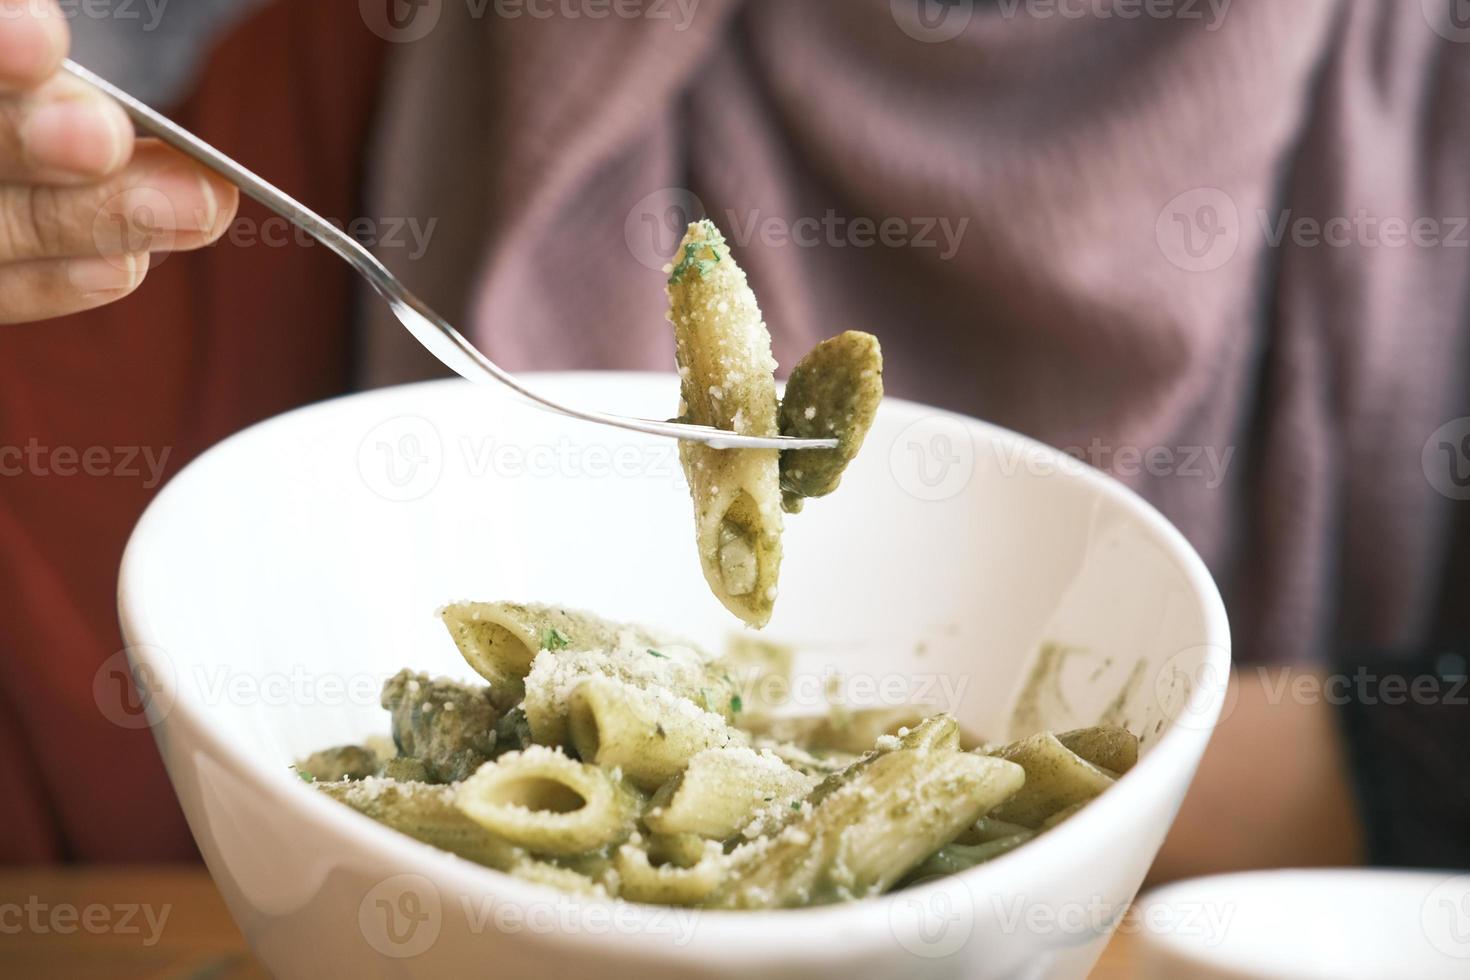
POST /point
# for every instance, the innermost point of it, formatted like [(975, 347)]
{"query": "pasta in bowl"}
[(1018, 600), (616, 761)]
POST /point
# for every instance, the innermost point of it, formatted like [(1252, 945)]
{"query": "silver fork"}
[(428, 327)]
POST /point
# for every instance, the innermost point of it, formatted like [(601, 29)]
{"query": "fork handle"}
[(442, 340), (156, 124)]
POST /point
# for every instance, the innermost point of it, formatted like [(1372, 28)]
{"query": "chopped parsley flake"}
[(554, 639), (655, 653), (736, 704), (306, 777), (691, 260), (796, 804)]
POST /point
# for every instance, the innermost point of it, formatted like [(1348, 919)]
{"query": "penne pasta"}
[(640, 880), (812, 762), (682, 671), (841, 846), (954, 858), (426, 813), (647, 735), (1056, 778), (547, 803), (719, 789), (840, 730), (558, 877), (989, 829), (629, 771), (728, 381), (1105, 746), (499, 640)]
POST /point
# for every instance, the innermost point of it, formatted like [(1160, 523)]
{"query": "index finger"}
[(33, 39)]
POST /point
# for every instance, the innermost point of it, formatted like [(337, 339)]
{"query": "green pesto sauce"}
[(692, 259)]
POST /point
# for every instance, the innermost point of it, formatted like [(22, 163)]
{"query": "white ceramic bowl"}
[(281, 577), (1319, 924)]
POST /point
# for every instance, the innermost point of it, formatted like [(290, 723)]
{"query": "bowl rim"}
[(1346, 883), (785, 933)]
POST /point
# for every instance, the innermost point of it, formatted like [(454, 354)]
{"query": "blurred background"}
[(1217, 248)]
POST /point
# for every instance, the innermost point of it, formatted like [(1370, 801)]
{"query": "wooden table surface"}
[(85, 929)]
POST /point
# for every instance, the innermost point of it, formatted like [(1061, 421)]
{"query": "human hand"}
[(83, 204)]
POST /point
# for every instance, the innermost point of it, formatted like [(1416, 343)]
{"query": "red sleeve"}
[(95, 408)]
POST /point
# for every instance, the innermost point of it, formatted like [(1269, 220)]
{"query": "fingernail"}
[(192, 204), (83, 136), (112, 274)]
